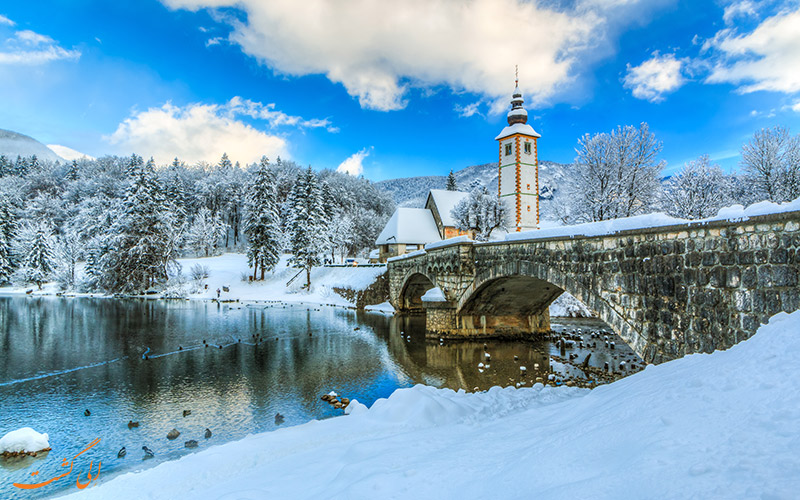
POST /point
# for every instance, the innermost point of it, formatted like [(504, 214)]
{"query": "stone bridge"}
[(667, 291)]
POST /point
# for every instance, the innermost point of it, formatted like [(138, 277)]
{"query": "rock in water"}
[(190, 444), (208, 433), (173, 434), (122, 452)]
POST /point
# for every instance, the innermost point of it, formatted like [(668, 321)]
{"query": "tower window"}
[(528, 148), (508, 149)]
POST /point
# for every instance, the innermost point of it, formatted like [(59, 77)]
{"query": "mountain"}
[(13, 144), (412, 191)]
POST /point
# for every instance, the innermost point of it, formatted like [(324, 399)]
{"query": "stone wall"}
[(667, 291)]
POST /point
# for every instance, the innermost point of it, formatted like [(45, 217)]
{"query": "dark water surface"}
[(60, 357)]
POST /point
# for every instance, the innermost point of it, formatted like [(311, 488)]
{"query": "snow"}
[(24, 439), (517, 128), (435, 294), (445, 202), (722, 425), (410, 226)]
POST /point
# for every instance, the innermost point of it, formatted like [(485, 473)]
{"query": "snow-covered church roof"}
[(445, 202), (409, 226)]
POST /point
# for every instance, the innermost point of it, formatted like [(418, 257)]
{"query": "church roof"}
[(517, 128), (409, 226), (445, 201)]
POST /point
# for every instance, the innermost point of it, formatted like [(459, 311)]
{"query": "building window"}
[(528, 148), (508, 149)]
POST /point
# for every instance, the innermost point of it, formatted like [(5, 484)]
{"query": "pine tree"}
[(39, 254), (7, 227), (307, 225), (451, 182), (262, 220)]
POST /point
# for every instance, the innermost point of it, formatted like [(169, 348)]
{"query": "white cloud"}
[(655, 77), (6, 21), (30, 48), (353, 165), (68, 153), (378, 50), (740, 8), (766, 58), (32, 38), (197, 132)]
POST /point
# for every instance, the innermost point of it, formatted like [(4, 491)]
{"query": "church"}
[(410, 229)]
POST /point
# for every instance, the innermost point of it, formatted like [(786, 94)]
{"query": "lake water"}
[(62, 356)]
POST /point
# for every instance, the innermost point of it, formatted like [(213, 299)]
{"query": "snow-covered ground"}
[(723, 425)]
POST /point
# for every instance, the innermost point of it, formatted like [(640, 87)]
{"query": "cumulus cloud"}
[(378, 50), (68, 153), (765, 58), (353, 165), (6, 21), (29, 48), (655, 77), (197, 132)]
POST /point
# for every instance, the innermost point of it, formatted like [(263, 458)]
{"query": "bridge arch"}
[(414, 287)]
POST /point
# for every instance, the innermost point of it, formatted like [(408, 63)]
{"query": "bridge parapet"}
[(668, 291)]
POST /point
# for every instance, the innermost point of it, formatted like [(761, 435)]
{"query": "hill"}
[(13, 144)]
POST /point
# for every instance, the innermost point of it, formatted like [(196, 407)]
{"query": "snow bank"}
[(24, 440), (722, 425), (435, 294)]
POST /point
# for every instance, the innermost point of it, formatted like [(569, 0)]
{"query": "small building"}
[(441, 204), (408, 230)]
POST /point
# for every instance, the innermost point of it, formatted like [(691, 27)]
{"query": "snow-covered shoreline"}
[(720, 425)]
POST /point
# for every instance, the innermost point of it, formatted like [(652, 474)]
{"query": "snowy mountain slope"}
[(412, 191), (13, 144)]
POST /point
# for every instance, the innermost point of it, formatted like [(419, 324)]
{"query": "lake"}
[(232, 366)]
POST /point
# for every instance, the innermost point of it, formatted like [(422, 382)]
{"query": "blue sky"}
[(394, 89)]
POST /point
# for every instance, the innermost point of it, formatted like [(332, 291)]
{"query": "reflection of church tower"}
[(519, 168)]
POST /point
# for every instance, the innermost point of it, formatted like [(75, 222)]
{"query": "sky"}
[(394, 89)]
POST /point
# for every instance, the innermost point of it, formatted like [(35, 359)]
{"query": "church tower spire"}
[(518, 182)]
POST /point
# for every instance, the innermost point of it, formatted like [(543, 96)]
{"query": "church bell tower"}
[(518, 180)]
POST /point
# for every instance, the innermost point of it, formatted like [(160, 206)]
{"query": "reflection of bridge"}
[(668, 291)]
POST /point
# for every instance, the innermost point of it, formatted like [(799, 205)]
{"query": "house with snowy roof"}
[(410, 229)]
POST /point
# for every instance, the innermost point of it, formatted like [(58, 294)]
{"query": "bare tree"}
[(772, 161), (699, 190), (616, 175)]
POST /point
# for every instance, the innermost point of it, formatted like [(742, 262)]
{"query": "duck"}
[(122, 452), (132, 424), (148, 453), (208, 433)]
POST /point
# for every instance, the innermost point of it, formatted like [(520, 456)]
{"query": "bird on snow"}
[(121, 453), (148, 453)]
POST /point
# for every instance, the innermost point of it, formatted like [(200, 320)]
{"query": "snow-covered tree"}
[(37, 252), (205, 232), (772, 160), (616, 175), (307, 231), (480, 212), (451, 182), (699, 190), (143, 240), (262, 220)]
